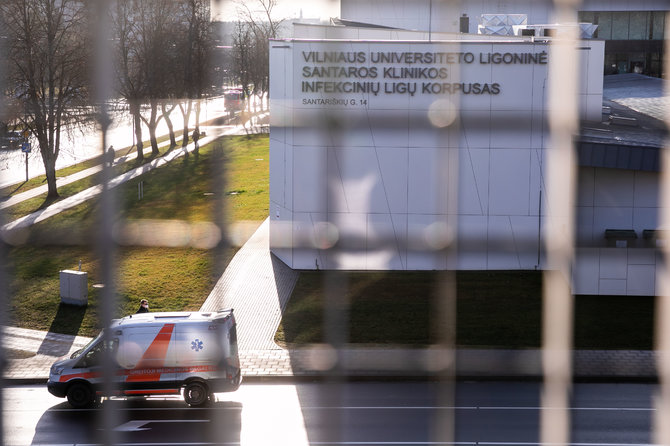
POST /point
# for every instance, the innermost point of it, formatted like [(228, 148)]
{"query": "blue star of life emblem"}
[(196, 345)]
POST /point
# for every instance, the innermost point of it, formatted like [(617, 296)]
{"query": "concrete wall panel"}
[(509, 182), (586, 274)]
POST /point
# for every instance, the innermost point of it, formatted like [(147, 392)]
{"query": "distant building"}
[(633, 32)]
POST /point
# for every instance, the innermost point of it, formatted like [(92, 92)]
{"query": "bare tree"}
[(48, 58), (147, 47), (131, 83), (242, 55), (196, 52), (263, 26), (158, 44)]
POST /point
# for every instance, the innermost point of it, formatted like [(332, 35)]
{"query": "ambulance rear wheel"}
[(196, 393), (80, 395)]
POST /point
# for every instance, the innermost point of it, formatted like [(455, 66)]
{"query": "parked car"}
[(234, 101), (11, 140)]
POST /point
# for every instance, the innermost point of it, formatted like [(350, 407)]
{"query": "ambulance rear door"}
[(198, 350)]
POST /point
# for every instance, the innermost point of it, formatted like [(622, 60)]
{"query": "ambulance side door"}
[(146, 354)]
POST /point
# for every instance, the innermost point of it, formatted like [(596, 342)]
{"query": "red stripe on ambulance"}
[(154, 357), (86, 375), (152, 392)]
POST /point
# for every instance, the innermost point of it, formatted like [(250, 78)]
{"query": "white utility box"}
[(74, 287)]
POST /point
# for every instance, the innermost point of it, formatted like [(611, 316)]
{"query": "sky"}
[(288, 9)]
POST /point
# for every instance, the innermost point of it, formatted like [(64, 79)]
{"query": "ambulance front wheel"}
[(80, 395), (196, 393)]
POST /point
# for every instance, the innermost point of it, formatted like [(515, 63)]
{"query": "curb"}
[(318, 363)]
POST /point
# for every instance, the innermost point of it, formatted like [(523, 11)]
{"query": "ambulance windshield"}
[(87, 346)]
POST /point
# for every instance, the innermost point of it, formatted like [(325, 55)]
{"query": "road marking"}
[(517, 443), (136, 425), (214, 407), (380, 443)]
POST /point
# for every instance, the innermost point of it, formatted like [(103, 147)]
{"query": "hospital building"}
[(417, 135)]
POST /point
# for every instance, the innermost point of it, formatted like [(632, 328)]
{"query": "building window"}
[(620, 24), (657, 28), (633, 40)]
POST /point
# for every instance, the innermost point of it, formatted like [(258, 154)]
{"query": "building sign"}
[(373, 73)]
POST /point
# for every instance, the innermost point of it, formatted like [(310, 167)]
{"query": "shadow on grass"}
[(68, 320), (12, 192), (171, 148), (48, 201), (146, 159)]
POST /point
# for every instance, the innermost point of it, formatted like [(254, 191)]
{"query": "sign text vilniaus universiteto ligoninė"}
[(405, 73)]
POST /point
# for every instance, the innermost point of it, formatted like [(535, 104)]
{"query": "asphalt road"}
[(360, 413)]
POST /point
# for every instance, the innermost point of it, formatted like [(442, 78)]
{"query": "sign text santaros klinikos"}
[(405, 73)]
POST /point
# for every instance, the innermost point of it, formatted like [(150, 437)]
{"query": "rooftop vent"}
[(501, 24)]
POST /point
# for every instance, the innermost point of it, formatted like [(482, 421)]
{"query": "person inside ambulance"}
[(95, 356)]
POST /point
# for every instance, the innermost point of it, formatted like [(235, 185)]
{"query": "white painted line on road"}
[(517, 443), (381, 443), (615, 409), (136, 425), (214, 407)]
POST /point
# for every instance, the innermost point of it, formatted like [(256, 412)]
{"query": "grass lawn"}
[(494, 309), (177, 278)]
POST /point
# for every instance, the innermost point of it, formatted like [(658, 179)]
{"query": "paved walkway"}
[(94, 191), (257, 286), (37, 191), (641, 93)]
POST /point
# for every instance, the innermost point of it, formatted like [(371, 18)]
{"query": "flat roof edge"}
[(479, 41)]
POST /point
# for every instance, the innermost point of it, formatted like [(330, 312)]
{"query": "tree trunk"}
[(196, 150), (187, 116), (49, 168), (168, 122), (135, 111), (154, 140), (153, 123)]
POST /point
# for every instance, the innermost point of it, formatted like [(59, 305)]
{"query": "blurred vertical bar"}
[(561, 179), (219, 252), (4, 295), (336, 305), (102, 82), (218, 171), (445, 300), (662, 329)]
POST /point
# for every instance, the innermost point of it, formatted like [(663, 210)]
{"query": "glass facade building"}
[(633, 40)]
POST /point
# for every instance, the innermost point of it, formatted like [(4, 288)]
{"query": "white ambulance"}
[(154, 354)]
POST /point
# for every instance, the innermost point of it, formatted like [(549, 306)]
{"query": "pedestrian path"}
[(31, 353), (37, 191), (91, 192), (257, 286), (641, 93)]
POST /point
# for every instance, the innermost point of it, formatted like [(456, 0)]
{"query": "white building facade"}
[(362, 137), (420, 150)]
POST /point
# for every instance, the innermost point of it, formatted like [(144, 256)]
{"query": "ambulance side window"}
[(94, 357)]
